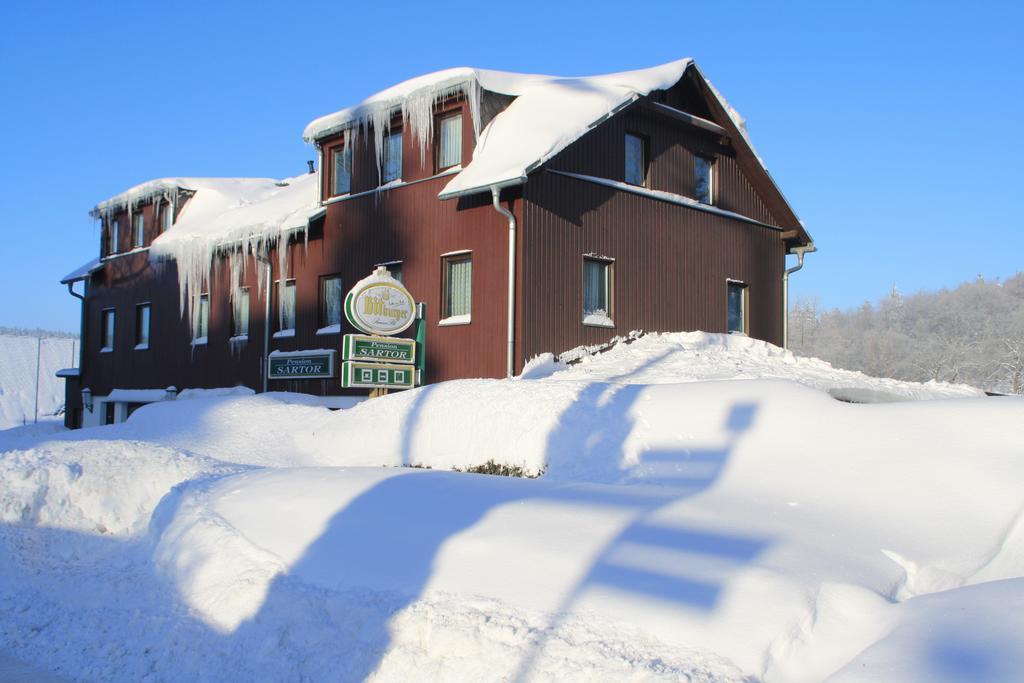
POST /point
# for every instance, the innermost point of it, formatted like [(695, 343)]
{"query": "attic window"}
[(704, 179), (112, 230), (138, 231), (392, 168), (636, 160)]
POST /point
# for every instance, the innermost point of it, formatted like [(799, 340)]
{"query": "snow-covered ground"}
[(714, 530), (18, 377)]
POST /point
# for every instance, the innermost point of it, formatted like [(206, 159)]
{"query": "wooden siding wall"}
[(670, 271)]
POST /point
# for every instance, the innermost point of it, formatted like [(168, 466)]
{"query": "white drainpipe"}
[(799, 251), (510, 363)]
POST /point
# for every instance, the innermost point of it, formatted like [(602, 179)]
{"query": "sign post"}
[(380, 306)]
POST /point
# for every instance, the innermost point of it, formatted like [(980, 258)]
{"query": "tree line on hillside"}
[(36, 332), (973, 334)]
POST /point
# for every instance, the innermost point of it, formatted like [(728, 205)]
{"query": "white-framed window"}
[(636, 160), (107, 323), (597, 291), (457, 289), (331, 298), (449, 141), (142, 313), (202, 326), (240, 313), (392, 163), (113, 226), (166, 213), (138, 231), (342, 170), (738, 299), (704, 179), (285, 308)]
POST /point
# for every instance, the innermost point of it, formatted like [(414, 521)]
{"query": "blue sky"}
[(893, 128)]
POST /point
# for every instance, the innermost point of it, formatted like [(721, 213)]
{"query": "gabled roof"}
[(547, 115)]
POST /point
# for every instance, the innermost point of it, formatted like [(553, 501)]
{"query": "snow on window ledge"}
[(141, 347), (107, 349), (330, 329), (238, 339), (281, 334), (598, 319), (455, 320), (199, 341)]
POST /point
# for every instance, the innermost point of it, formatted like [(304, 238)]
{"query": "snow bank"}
[(711, 530), (18, 377)]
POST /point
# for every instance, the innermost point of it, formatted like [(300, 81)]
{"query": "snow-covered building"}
[(530, 213)]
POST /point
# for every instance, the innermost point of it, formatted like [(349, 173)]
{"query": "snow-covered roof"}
[(82, 272), (549, 113)]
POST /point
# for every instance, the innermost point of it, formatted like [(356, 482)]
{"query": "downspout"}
[(510, 366), (266, 317), (81, 325), (799, 251)]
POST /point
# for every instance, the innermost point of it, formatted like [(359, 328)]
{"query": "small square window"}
[(597, 292), (449, 147), (392, 166), (331, 299), (738, 296), (138, 231), (457, 293), (202, 326), (704, 180), (142, 326), (342, 183), (240, 313), (107, 330), (636, 160)]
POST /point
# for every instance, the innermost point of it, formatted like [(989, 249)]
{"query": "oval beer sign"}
[(379, 304)]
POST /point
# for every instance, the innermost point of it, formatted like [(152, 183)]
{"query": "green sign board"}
[(357, 374), (301, 365), (386, 349)]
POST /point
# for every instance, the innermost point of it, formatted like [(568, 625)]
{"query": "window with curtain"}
[(392, 166), (142, 326), (112, 230), (636, 162), (458, 288), (107, 330), (165, 218), (331, 298), (704, 189), (138, 231), (286, 311), (202, 326), (240, 313), (342, 171), (737, 307), (449, 148), (597, 298)]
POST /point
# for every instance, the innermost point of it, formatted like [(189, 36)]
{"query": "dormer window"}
[(138, 231), (342, 170), (704, 180), (636, 160), (166, 213), (449, 142), (112, 230), (392, 166)]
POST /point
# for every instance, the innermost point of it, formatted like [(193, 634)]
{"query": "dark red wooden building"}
[(529, 213)]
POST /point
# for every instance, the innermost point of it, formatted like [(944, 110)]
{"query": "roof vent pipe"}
[(799, 251), (309, 162), (510, 363)]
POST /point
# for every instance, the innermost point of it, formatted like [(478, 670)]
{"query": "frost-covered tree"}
[(972, 334)]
